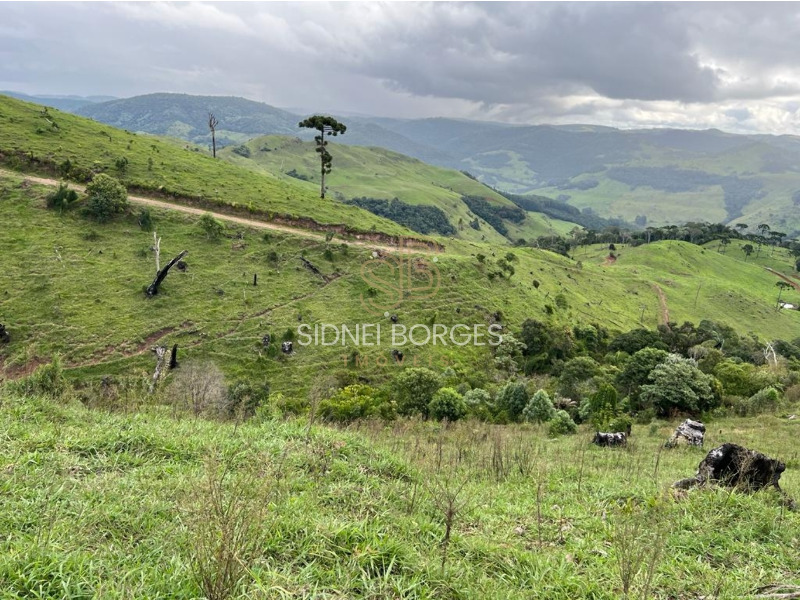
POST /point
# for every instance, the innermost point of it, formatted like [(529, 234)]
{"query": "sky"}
[(732, 66)]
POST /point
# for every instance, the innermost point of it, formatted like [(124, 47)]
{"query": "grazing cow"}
[(4, 337), (736, 466), (610, 439), (691, 431), (287, 347)]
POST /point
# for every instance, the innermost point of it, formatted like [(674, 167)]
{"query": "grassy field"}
[(78, 291), (379, 173), (99, 504)]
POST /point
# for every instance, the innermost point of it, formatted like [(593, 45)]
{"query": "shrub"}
[(539, 409), (678, 385), (447, 404), (351, 403), (414, 389), (479, 403), (62, 198), (244, 398), (603, 406), (199, 388), (621, 423), (145, 219), (47, 380), (105, 197), (242, 151), (762, 401), (512, 399), (561, 424), (211, 226)]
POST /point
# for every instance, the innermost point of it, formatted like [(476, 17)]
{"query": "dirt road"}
[(144, 201)]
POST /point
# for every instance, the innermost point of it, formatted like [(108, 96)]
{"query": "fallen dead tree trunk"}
[(152, 289), (738, 467)]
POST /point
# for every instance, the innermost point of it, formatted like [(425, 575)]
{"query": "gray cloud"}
[(632, 64)]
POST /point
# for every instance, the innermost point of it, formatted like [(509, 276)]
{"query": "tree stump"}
[(735, 466), (691, 431)]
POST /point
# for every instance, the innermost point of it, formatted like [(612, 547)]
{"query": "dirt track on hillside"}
[(794, 284), (141, 200), (663, 312)]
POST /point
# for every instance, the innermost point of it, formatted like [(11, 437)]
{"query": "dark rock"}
[(610, 439), (181, 266)]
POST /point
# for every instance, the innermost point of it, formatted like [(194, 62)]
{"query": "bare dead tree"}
[(152, 289), (160, 352), (157, 250), (212, 125)]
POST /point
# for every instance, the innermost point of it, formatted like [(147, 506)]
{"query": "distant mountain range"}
[(655, 176), (65, 103)]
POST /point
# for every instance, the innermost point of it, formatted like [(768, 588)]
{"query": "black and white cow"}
[(610, 439)]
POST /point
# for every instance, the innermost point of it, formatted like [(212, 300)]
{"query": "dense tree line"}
[(494, 214), (558, 209), (419, 218)]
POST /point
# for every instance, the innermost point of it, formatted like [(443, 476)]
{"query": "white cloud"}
[(731, 66)]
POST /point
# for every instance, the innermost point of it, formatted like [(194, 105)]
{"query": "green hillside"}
[(60, 144), (379, 173), (668, 176), (79, 292)]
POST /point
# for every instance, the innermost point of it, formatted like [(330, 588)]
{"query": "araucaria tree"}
[(326, 126)]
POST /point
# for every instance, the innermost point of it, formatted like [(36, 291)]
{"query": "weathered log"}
[(310, 266), (152, 289), (173, 358), (691, 431), (733, 465), (160, 352)]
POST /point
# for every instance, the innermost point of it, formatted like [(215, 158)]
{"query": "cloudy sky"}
[(734, 66)]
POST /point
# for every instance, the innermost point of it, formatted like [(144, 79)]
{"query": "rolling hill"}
[(664, 175), (378, 173), (60, 144), (78, 292), (37, 139)]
